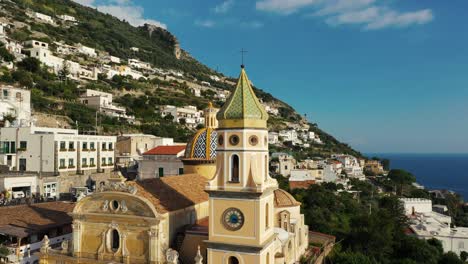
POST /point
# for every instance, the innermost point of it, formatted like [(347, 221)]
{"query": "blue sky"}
[(384, 76)]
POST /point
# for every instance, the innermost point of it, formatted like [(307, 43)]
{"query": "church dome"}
[(284, 199), (203, 145)]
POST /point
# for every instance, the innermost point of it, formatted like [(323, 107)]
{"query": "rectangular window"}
[(70, 163), (63, 145), (91, 162), (181, 171), (110, 146), (12, 147), (161, 172), (5, 93), (23, 145), (109, 161), (103, 146), (91, 145), (84, 162), (103, 161), (62, 163), (71, 145), (84, 146)]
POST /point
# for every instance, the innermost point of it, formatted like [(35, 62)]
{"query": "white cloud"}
[(284, 6), (205, 23), (395, 19), (223, 7), (366, 13), (124, 10)]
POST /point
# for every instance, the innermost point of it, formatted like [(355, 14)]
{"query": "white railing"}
[(26, 252)]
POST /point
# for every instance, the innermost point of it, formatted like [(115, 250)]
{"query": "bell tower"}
[(241, 192)]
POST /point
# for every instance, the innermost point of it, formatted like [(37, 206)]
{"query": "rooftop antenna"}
[(242, 56)]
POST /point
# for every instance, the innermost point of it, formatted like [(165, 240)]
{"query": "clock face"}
[(233, 219)]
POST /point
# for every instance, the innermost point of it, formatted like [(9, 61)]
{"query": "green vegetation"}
[(369, 229)]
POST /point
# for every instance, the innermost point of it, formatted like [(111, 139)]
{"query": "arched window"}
[(235, 168), (267, 216), (115, 240), (268, 258), (233, 260)]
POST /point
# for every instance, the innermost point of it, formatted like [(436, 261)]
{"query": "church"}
[(226, 209)]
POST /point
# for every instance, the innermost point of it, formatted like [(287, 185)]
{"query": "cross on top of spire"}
[(243, 51)]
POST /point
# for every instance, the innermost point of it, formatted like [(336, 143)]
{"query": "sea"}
[(433, 171)]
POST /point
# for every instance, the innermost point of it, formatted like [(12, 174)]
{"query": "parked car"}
[(19, 194)]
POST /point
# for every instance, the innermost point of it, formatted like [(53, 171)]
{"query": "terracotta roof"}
[(300, 184), (171, 193), (35, 217), (166, 150), (284, 199)]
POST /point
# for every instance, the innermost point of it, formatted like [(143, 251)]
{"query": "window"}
[(23, 145), (109, 161), (110, 146), (71, 145), (70, 163), (268, 258), (103, 146), (161, 172), (220, 140), (461, 245), (62, 163), (62, 145), (181, 171), (235, 168), (5, 93), (84, 162), (115, 240), (253, 140), (267, 216), (22, 164), (233, 260), (12, 147), (91, 162), (85, 146), (234, 140), (91, 145), (103, 161)]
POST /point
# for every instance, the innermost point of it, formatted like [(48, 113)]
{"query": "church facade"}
[(227, 211)]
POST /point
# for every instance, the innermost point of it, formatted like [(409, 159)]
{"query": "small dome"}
[(284, 199), (203, 145)]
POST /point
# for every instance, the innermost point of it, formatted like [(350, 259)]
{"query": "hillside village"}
[(77, 118)]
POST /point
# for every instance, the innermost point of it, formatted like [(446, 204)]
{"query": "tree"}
[(64, 72), (5, 55), (4, 252), (450, 258), (401, 177), (350, 257), (464, 256), (30, 64)]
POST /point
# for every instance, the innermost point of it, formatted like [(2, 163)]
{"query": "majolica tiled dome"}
[(242, 109), (203, 145)]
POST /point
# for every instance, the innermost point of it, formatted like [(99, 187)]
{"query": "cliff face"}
[(167, 35)]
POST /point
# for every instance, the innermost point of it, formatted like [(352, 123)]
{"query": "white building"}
[(303, 178), (351, 165), (40, 51), (86, 50), (122, 71), (196, 91), (110, 59), (2, 30), (286, 163), (273, 138), (102, 102), (137, 64), (272, 110), (288, 135), (64, 49), (55, 151), (189, 113), (67, 18), (215, 78), (44, 17), (15, 102), (135, 49), (427, 224)]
